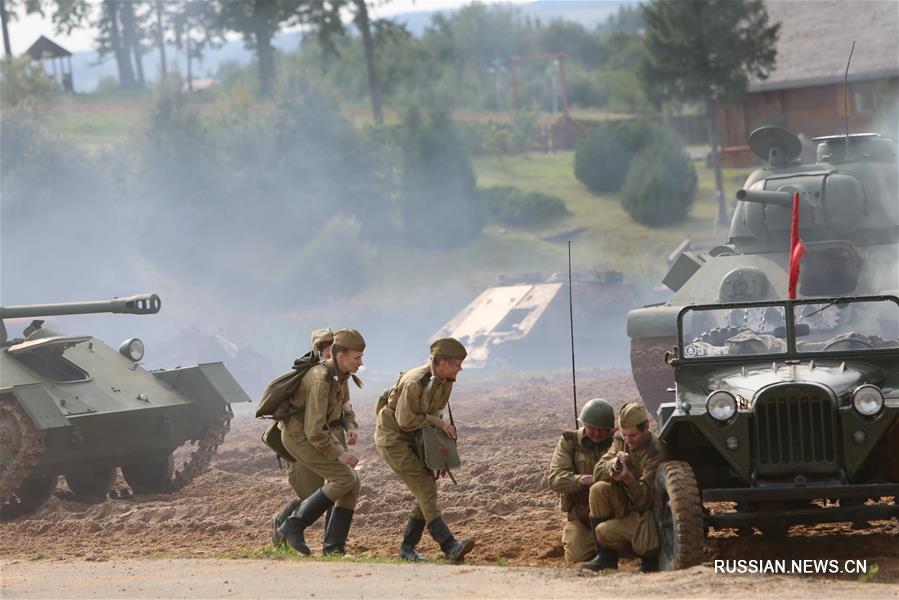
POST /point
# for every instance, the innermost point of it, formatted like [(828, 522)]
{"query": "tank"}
[(76, 407), (849, 222)]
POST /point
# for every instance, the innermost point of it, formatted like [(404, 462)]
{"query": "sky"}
[(27, 29)]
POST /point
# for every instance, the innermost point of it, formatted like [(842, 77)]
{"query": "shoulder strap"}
[(425, 379), (571, 436)]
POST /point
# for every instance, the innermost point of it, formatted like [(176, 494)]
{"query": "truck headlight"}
[(132, 349), (721, 405), (867, 400)]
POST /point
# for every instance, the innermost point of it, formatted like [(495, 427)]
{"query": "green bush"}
[(602, 156), (516, 208), (661, 183), (439, 200)]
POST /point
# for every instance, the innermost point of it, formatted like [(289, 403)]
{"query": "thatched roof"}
[(46, 48), (816, 35)]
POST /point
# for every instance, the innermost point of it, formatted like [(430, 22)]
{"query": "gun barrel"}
[(766, 197), (139, 304)]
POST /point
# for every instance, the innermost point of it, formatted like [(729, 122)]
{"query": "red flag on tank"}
[(797, 249)]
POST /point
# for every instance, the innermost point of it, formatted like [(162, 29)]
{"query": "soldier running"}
[(418, 400), (621, 499), (571, 475), (304, 481), (310, 436)]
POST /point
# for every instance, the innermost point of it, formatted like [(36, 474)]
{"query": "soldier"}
[(303, 481), (310, 437), (571, 475), (621, 499), (417, 400)]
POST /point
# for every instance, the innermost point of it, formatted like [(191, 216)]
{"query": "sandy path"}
[(193, 578)]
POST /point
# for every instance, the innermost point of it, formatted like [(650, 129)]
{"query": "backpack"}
[(275, 401)]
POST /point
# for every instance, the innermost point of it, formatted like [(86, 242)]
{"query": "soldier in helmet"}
[(304, 481), (571, 475), (621, 499), (310, 435), (418, 400)]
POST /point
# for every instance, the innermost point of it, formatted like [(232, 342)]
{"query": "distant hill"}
[(87, 73)]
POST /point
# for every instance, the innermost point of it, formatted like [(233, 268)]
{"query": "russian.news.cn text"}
[(791, 567)]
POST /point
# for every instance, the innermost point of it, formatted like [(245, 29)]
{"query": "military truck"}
[(788, 410), (73, 406), (849, 221)]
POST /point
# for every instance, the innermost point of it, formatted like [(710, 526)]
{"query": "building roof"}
[(46, 48), (816, 35)]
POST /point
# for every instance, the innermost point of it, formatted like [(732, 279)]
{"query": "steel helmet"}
[(598, 413)]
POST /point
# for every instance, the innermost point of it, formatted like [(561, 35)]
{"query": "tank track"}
[(207, 446), (32, 446)]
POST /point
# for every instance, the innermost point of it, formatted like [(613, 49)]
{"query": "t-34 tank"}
[(73, 406), (849, 222)]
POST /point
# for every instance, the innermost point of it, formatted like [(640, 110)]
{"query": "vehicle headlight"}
[(132, 349), (867, 400), (721, 405)]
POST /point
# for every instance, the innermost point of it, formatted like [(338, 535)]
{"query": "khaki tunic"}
[(310, 435), (305, 482), (575, 455), (621, 504), (414, 402)]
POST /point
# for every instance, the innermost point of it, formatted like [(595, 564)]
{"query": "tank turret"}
[(73, 406), (849, 223)]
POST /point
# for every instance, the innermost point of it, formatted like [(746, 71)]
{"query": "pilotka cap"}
[(450, 348), (349, 339)]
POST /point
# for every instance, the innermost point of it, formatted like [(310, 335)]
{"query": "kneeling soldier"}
[(621, 499), (417, 400), (571, 475), (310, 437)]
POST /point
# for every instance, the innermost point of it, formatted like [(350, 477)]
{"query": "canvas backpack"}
[(275, 402)]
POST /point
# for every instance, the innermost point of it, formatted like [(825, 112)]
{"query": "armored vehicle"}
[(849, 221), (523, 321), (788, 410), (73, 406)]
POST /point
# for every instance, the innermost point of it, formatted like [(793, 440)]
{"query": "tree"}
[(705, 51), (9, 11), (259, 21)]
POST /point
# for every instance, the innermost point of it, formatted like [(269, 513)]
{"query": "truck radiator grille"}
[(795, 426)]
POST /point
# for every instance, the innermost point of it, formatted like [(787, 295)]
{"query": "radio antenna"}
[(571, 318), (846, 99)]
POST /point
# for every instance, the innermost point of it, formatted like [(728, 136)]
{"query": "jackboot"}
[(605, 558), (309, 511), (279, 519), (453, 549), (649, 563), (414, 529), (337, 531)]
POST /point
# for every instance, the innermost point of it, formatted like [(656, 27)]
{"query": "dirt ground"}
[(507, 433)]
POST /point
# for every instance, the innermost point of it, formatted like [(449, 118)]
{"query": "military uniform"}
[(310, 435), (416, 401), (304, 481), (575, 455), (315, 435)]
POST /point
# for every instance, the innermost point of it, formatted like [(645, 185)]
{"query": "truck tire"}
[(150, 477), (91, 484), (678, 512)]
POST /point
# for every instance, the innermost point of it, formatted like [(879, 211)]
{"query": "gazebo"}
[(46, 49)]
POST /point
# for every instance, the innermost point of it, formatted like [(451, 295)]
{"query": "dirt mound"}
[(507, 433)]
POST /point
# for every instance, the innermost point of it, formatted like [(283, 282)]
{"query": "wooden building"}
[(46, 50), (804, 93)]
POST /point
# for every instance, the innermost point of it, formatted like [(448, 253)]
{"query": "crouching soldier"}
[(310, 437), (571, 475), (621, 512), (304, 481), (418, 400)]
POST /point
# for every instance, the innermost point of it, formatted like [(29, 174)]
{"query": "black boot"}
[(605, 558), (337, 530), (279, 519), (309, 511), (414, 529), (454, 550), (649, 563)]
